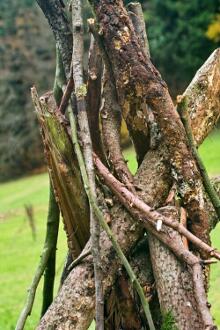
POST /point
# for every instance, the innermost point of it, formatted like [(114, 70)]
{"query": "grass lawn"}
[(19, 254)]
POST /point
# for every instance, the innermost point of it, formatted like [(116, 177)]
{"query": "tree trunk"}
[(136, 88)]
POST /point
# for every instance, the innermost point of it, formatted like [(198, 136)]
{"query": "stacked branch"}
[(131, 86)]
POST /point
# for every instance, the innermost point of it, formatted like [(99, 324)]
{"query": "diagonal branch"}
[(47, 259), (182, 109), (132, 203)]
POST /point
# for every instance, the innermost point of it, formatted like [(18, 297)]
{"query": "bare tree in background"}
[(161, 217)]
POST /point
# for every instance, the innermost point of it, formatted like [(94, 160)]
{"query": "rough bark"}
[(86, 142), (137, 80), (93, 97), (80, 305), (111, 128)]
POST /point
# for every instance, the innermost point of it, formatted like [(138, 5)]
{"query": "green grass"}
[(19, 254)]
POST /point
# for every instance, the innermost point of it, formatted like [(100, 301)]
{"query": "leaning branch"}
[(182, 109), (104, 225), (131, 201), (48, 250)]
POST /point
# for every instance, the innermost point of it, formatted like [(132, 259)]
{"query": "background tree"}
[(26, 56), (179, 29)]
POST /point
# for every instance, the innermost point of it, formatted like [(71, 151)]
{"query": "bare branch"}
[(80, 92), (93, 97), (47, 254), (132, 202), (182, 109)]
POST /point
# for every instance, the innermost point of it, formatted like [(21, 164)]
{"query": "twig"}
[(49, 248), (80, 92), (66, 96), (48, 257), (182, 109), (131, 201), (78, 260), (183, 221), (104, 225), (30, 215), (51, 236)]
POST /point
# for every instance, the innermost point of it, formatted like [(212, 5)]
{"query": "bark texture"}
[(64, 173), (78, 309)]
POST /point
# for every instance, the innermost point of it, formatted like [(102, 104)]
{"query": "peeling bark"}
[(64, 173)]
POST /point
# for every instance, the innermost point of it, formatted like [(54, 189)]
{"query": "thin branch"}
[(131, 201), (111, 117), (66, 96), (80, 258), (51, 236), (48, 250), (103, 223), (182, 109), (93, 97), (80, 92)]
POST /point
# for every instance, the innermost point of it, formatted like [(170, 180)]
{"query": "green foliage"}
[(168, 322), (177, 36), (26, 57)]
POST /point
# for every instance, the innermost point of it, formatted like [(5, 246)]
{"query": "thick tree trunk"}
[(74, 306)]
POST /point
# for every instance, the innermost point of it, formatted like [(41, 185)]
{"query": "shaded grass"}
[(19, 254)]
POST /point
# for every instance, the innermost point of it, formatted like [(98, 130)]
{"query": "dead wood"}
[(154, 193)]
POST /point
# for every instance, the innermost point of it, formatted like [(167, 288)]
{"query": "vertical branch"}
[(53, 208), (137, 17), (80, 92), (51, 236), (93, 97), (101, 219), (111, 117), (48, 249)]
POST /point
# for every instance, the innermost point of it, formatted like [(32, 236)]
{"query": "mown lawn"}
[(19, 254)]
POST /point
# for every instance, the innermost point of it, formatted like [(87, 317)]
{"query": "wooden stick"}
[(80, 92), (131, 201), (104, 225), (182, 109), (46, 256)]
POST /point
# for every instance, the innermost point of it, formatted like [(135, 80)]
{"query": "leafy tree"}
[(26, 57), (178, 41)]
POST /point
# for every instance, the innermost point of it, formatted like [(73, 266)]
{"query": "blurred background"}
[(182, 34)]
